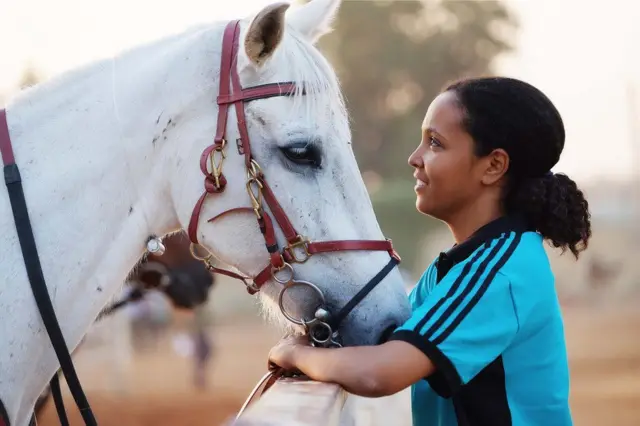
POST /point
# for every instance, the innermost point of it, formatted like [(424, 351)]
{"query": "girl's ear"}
[(497, 165)]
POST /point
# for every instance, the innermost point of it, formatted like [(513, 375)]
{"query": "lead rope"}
[(266, 382), (268, 376)]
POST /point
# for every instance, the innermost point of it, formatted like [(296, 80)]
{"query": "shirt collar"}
[(486, 233)]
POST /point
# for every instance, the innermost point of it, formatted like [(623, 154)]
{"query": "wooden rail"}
[(294, 402)]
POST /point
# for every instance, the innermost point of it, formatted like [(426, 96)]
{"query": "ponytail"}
[(556, 207)]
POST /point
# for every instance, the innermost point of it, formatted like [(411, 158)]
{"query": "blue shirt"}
[(487, 315)]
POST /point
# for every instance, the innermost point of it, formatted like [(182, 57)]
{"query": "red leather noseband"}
[(298, 248)]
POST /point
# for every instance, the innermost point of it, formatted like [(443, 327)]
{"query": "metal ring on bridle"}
[(316, 326), (289, 273), (292, 284), (198, 257)]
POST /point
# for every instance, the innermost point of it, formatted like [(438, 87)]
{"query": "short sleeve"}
[(465, 323)]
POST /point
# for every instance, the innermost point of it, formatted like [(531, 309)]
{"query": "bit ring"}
[(295, 283)]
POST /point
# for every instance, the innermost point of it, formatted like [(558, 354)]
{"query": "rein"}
[(38, 285), (322, 328)]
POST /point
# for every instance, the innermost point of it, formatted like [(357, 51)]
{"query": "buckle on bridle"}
[(256, 200), (288, 273), (216, 166), (300, 241), (254, 171)]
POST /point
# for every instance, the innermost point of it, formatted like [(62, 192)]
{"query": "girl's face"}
[(449, 176)]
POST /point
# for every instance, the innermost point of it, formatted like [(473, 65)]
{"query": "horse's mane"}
[(309, 68)]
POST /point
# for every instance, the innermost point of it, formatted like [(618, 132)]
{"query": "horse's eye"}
[(303, 153)]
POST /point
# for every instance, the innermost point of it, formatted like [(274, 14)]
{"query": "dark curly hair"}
[(506, 113)]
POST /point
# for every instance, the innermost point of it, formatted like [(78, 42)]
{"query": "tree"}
[(30, 77), (393, 57)]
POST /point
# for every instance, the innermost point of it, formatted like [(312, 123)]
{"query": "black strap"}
[(56, 393), (346, 309), (39, 289)]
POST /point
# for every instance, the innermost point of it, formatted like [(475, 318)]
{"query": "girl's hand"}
[(370, 371), (283, 354)]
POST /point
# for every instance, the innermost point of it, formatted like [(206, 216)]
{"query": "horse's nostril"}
[(387, 333)]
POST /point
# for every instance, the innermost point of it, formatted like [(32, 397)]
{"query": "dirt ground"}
[(604, 350), (156, 388)]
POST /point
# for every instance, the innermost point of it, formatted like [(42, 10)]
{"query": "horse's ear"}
[(314, 19), (265, 32)]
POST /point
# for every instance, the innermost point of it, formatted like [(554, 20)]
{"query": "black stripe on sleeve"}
[(445, 381)]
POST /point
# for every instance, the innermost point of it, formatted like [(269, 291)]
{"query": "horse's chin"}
[(270, 311)]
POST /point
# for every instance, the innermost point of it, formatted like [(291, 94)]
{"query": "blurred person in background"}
[(202, 345)]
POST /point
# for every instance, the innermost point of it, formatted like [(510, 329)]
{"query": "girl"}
[(485, 343)]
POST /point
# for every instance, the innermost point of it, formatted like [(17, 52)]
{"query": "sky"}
[(579, 53)]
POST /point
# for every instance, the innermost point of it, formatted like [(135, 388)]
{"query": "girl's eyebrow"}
[(432, 131)]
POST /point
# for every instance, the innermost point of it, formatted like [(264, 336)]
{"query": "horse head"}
[(294, 153)]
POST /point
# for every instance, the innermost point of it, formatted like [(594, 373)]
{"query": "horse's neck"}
[(90, 148)]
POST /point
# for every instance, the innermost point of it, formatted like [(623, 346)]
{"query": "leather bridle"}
[(298, 249), (322, 328)]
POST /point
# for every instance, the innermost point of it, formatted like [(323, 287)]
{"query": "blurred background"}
[(153, 364)]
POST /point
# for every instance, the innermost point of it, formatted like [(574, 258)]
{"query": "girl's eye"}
[(433, 142)]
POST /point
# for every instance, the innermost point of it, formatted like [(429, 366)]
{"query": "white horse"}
[(109, 155)]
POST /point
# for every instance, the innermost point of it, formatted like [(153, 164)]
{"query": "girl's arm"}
[(369, 371)]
